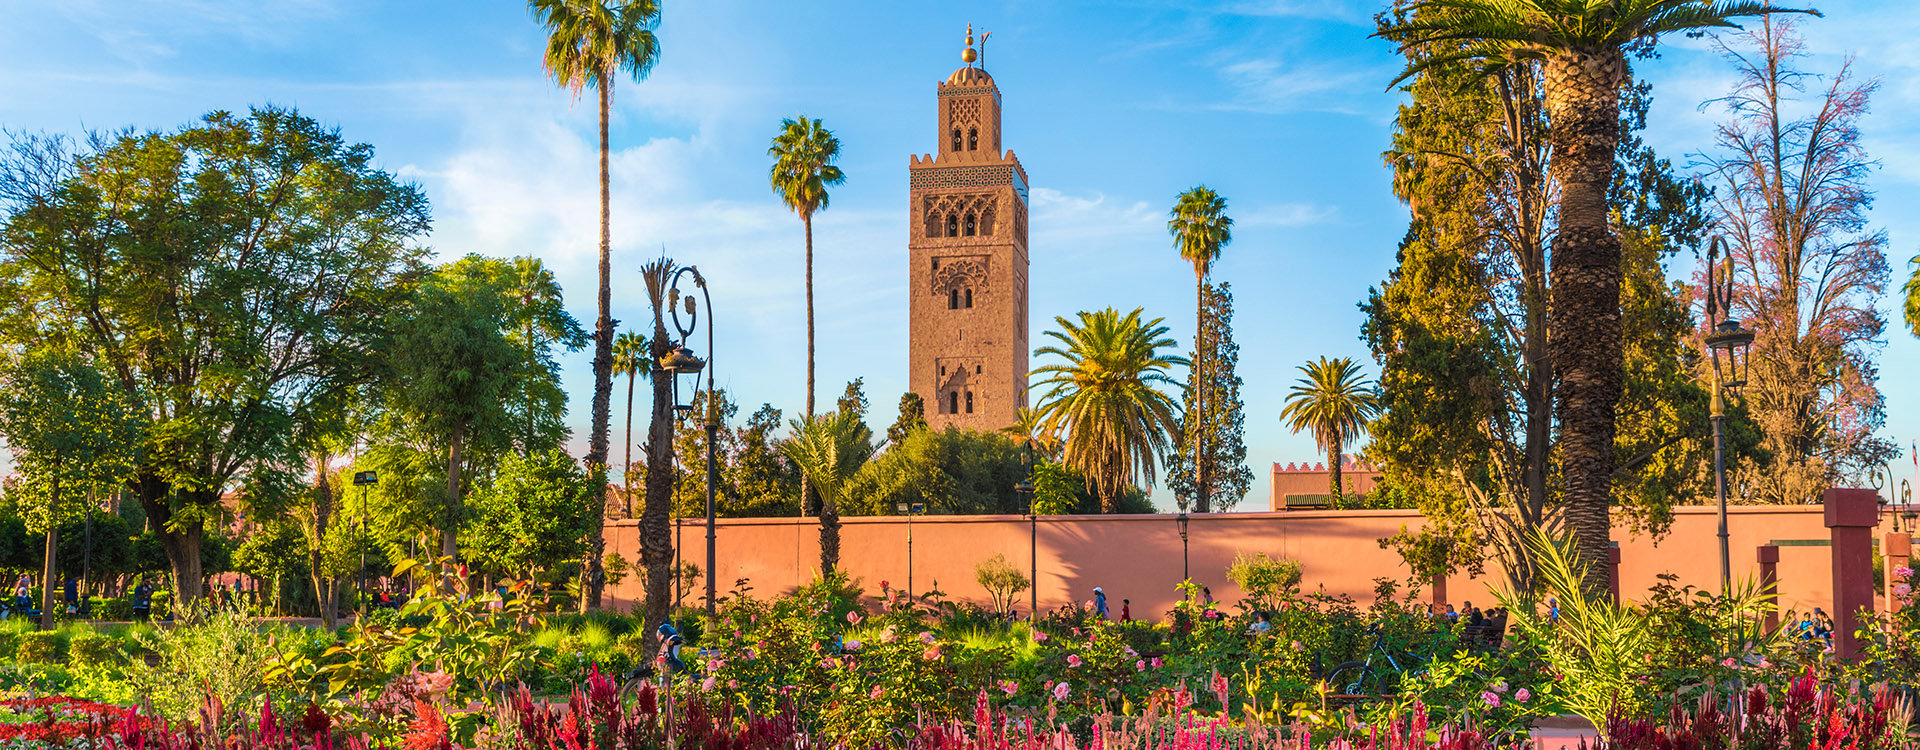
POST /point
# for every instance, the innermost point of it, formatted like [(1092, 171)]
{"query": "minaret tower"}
[(967, 249)]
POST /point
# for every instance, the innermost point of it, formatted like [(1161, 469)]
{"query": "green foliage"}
[(92, 649), (1056, 489), (39, 647), (950, 471), (1266, 580), (830, 449), (239, 271), (532, 516), (1001, 580), (1596, 646), (1228, 475), (803, 167), (223, 656), (913, 417), (1334, 404), (66, 424)]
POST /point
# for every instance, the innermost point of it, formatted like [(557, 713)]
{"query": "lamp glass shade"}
[(1729, 344)]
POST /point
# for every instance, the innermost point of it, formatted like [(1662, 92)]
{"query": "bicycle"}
[(1359, 678)]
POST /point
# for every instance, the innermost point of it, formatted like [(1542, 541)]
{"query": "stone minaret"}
[(967, 278)]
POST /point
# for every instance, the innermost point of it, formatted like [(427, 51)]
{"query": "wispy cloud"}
[(1274, 85), (1348, 11)]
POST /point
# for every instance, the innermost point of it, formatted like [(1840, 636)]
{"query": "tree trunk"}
[(1202, 495), (322, 517), (626, 463), (456, 509), (656, 533), (829, 536), (593, 579), (181, 545), (1334, 458), (1583, 93), (53, 548), (806, 486)]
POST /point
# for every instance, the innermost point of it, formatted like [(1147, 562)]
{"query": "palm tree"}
[(1581, 46), (803, 155), (630, 358), (656, 516), (1027, 429), (1334, 403), (1200, 228), (1103, 397), (830, 448), (589, 43)]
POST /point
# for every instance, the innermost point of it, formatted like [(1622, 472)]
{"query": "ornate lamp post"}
[(1898, 501), (1185, 574), (681, 361), (1728, 343), (1025, 487)]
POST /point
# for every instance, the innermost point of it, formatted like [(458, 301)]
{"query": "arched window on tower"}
[(972, 221), (973, 139), (953, 298), (953, 402), (969, 402), (933, 230), (953, 225), (956, 139), (968, 302)]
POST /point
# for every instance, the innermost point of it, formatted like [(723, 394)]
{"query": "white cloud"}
[(1273, 85)]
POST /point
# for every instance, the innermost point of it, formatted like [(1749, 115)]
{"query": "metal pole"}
[(1720, 486), (1033, 560), (713, 427), (909, 552)]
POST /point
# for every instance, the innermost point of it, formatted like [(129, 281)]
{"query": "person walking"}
[(1126, 610), (1100, 602), (23, 594)]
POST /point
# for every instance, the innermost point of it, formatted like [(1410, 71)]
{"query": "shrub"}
[(222, 656), (115, 609), (1001, 580), (91, 649), (1265, 579), (38, 647)]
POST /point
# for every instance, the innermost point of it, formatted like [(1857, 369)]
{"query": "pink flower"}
[(1522, 695), (1491, 698), (1039, 637), (1500, 687), (853, 618), (1155, 662), (932, 653), (1729, 662), (1009, 687), (1061, 691), (713, 665), (1073, 660), (877, 693), (853, 646), (733, 684), (888, 635), (926, 636), (709, 683), (1140, 666), (1903, 572), (1298, 647)]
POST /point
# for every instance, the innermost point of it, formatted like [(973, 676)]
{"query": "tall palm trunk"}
[(322, 517), (52, 549), (1203, 495), (1583, 113), (456, 509), (626, 463), (1334, 458), (656, 534), (593, 578), (806, 487)]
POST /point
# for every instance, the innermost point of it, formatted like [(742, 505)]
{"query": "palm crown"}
[(803, 169), (631, 355), (1104, 398), (830, 449), (588, 41), (1200, 227), (1334, 403), (1503, 32)]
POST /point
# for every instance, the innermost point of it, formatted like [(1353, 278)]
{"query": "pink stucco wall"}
[(1138, 557)]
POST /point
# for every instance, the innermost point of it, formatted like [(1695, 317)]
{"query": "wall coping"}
[(1685, 510)]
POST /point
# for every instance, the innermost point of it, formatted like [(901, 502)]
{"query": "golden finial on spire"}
[(968, 55)]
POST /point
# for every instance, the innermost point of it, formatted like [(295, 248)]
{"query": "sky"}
[(1113, 106)]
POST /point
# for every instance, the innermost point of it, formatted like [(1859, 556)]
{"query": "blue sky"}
[(1113, 107)]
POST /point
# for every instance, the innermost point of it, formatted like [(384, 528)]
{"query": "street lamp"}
[(908, 509), (1728, 344), (1181, 519), (681, 361), (1025, 487), (360, 479)]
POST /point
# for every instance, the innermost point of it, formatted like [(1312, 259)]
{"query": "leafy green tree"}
[(231, 274), (66, 424), (690, 443), (453, 368), (830, 448), (630, 359), (1334, 403), (1224, 436), (1581, 47), (533, 516), (1103, 397), (766, 483), (950, 471), (913, 417), (1913, 297), (590, 43), (537, 323), (803, 169), (1201, 229), (271, 553)]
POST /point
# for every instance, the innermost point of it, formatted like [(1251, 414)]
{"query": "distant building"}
[(967, 275), (1305, 486)]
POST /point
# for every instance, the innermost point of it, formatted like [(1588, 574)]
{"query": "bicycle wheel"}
[(1353, 678)]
